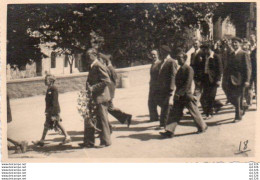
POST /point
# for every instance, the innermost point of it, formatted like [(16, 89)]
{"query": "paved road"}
[(141, 140)]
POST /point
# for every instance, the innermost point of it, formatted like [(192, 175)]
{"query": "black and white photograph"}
[(107, 82)]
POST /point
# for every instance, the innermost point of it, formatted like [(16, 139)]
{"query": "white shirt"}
[(196, 51), (207, 62), (92, 64)]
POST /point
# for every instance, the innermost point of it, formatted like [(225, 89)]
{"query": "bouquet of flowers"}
[(87, 108)]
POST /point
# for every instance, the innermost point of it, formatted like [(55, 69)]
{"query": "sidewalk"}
[(141, 140)]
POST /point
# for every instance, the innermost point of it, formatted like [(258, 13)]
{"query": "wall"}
[(20, 88)]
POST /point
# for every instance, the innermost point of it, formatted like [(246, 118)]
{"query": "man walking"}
[(210, 79), (195, 64), (183, 98), (121, 116), (98, 82), (154, 88), (166, 82), (238, 77)]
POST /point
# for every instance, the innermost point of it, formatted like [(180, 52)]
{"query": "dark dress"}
[(52, 107)]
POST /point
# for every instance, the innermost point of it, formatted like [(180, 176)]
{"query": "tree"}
[(127, 31), (21, 47), (238, 19)]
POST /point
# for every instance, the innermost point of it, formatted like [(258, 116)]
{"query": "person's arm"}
[(247, 70), (218, 68), (55, 103), (173, 74)]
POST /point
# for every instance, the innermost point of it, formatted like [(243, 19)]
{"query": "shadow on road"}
[(212, 123), (137, 129), (53, 149), (133, 122), (142, 136)]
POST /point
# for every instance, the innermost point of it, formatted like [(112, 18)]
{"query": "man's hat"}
[(166, 48), (237, 39)]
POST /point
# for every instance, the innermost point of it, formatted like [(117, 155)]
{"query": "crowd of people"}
[(230, 63)]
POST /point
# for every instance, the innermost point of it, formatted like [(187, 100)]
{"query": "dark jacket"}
[(239, 68), (52, 102), (183, 80), (154, 73), (193, 58), (166, 76), (198, 67), (99, 80), (215, 68)]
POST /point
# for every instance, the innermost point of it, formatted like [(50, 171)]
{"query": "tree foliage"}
[(21, 47), (127, 31)]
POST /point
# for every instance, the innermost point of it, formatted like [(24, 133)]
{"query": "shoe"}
[(38, 143), (129, 120), (209, 117), (203, 113), (166, 134), (237, 119), (83, 145), (217, 109), (23, 146), (102, 146), (202, 130), (66, 140)]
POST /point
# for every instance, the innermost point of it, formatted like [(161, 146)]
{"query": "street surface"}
[(141, 140)]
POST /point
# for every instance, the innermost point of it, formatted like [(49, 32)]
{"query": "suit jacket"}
[(113, 77), (166, 76), (184, 79), (214, 68), (239, 68), (99, 80), (198, 67), (193, 58), (52, 102), (154, 73)]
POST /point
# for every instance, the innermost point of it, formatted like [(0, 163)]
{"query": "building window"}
[(53, 60), (66, 61)]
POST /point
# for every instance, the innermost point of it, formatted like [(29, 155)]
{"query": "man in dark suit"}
[(195, 64), (98, 82), (121, 116), (166, 82), (238, 77), (210, 79), (183, 98), (154, 86)]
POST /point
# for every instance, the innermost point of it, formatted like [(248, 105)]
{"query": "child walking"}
[(53, 120)]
